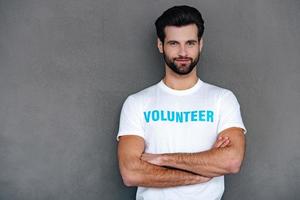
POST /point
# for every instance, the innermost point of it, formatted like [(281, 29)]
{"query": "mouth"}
[(182, 60)]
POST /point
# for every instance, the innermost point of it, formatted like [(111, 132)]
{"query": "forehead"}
[(182, 33)]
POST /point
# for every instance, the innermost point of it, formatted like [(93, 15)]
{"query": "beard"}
[(184, 68)]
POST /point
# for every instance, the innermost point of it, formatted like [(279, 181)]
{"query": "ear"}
[(160, 45), (201, 44)]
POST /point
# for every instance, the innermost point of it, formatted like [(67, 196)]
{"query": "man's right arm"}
[(136, 172)]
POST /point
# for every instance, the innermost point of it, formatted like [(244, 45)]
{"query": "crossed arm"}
[(137, 172), (211, 163), (153, 170)]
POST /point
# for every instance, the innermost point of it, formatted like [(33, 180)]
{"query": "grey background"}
[(67, 66)]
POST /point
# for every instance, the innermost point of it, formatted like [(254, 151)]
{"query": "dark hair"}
[(179, 16)]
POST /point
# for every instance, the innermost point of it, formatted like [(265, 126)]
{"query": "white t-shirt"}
[(173, 121)]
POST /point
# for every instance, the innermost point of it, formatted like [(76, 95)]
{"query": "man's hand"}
[(221, 142), (157, 159)]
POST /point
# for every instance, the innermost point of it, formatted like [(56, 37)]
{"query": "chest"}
[(180, 125)]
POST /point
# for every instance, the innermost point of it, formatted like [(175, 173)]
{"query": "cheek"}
[(194, 52), (170, 52)]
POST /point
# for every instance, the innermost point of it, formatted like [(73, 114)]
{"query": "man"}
[(179, 137)]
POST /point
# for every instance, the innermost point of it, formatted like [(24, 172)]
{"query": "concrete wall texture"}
[(66, 67)]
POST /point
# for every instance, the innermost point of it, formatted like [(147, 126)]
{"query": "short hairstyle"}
[(179, 16)]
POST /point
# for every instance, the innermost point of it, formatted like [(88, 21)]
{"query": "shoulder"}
[(215, 90), (142, 95)]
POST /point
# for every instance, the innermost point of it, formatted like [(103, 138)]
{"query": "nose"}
[(182, 51)]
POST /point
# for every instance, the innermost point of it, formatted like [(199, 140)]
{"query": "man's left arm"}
[(210, 163)]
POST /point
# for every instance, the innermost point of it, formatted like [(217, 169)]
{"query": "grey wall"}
[(67, 66)]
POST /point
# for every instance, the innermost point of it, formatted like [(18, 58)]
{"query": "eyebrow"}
[(194, 41), (174, 41)]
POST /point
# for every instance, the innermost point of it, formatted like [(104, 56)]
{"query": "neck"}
[(180, 82)]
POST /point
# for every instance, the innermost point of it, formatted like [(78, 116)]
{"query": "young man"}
[(179, 137)]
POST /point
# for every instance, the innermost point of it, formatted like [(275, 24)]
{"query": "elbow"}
[(234, 163), (130, 171), (234, 166), (130, 177), (129, 180)]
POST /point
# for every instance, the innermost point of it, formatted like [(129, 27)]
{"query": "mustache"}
[(183, 58)]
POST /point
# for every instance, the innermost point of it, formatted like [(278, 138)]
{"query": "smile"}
[(182, 60)]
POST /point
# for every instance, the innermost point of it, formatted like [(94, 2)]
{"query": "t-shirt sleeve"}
[(130, 119), (229, 112)]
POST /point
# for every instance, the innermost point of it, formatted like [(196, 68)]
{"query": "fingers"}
[(221, 142), (154, 159), (225, 143)]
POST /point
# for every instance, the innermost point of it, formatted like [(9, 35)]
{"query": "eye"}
[(191, 43), (173, 43)]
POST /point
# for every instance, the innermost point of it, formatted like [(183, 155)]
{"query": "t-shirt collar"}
[(166, 88)]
